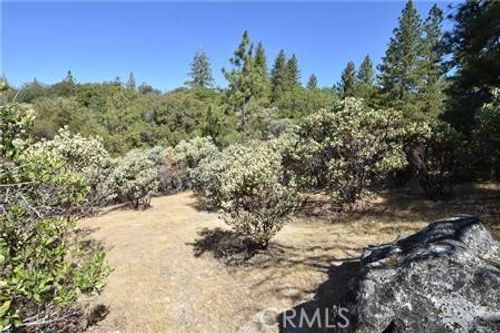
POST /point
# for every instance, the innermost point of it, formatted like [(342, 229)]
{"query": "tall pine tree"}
[(201, 73), (348, 80), (131, 84), (312, 83), (293, 72), (245, 79), (401, 69), (475, 47), (365, 80), (278, 76), (433, 68)]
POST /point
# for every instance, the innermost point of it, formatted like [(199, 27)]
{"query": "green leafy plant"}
[(45, 266), (345, 150)]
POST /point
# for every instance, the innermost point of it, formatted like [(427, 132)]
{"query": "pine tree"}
[(293, 72), (245, 80), (260, 57), (278, 76), (433, 68), (69, 78), (201, 73), (312, 83), (401, 75), (261, 64), (131, 84), (366, 73), (365, 80), (474, 45), (348, 80)]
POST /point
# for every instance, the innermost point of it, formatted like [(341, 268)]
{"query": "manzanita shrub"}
[(345, 150), (45, 267), (134, 179), (247, 183), (86, 156), (433, 151), (176, 173)]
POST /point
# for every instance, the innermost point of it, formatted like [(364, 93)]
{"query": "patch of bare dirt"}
[(179, 269)]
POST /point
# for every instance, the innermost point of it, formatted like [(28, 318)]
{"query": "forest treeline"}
[(253, 151), (426, 73)]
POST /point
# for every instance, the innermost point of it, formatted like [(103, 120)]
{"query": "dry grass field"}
[(177, 269)]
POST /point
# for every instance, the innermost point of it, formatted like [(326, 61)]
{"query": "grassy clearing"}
[(172, 272)]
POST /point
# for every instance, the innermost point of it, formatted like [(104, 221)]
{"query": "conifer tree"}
[(365, 80), (201, 73), (278, 76), (312, 83), (260, 57), (366, 73), (348, 80), (401, 75), (433, 68), (293, 72), (474, 46), (131, 84), (245, 80), (261, 64)]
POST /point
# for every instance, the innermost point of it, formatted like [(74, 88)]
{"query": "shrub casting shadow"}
[(328, 298), (233, 249)]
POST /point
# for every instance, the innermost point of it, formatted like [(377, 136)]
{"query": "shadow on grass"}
[(324, 311), (233, 249)]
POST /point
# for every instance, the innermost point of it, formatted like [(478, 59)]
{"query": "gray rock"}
[(445, 278)]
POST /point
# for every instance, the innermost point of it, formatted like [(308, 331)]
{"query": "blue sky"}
[(156, 41)]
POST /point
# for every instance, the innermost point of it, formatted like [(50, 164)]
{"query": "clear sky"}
[(99, 41)]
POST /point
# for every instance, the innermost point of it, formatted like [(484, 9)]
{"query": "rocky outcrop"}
[(445, 278)]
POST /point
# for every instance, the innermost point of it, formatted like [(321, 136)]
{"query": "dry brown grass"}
[(167, 278)]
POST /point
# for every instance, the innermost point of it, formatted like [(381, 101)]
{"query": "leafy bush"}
[(346, 149), (248, 184), (179, 162), (433, 152), (86, 156), (45, 268), (134, 179), (486, 138)]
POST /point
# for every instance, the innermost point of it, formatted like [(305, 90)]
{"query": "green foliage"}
[(134, 179), (312, 82), (347, 149), (278, 76), (201, 73), (433, 69), (248, 184), (45, 268), (300, 102), (86, 156), (486, 138), (179, 162), (246, 80), (348, 78), (55, 113), (434, 150), (473, 44), (293, 73), (365, 87)]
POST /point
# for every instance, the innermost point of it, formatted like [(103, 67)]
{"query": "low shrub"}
[(86, 156), (134, 179), (433, 151), (345, 150), (179, 162), (248, 184), (44, 266)]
